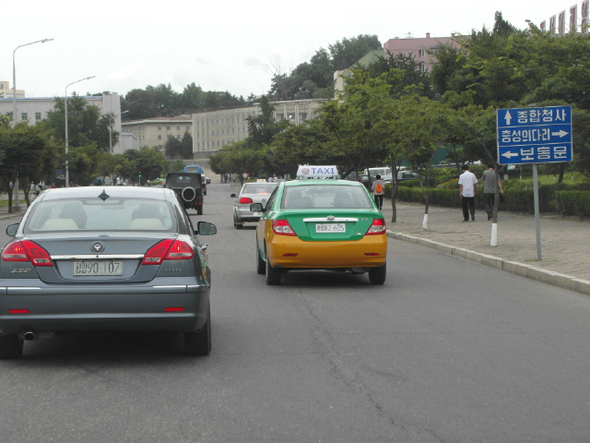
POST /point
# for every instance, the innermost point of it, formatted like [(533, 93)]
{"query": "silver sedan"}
[(105, 258), (250, 193)]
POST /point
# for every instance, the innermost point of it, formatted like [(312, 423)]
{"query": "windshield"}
[(325, 196), (94, 214), (259, 188)]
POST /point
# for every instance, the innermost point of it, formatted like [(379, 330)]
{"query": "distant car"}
[(250, 193), (189, 187), (401, 176), (107, 258), (362, 178), (320, 224)]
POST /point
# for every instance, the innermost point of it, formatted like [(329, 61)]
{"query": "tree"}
[(140, 105), (27, 153), (86, 125)]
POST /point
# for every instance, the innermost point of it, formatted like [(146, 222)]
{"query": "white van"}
[(382, 171)]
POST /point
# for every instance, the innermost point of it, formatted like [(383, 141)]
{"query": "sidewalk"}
[(565, 242)]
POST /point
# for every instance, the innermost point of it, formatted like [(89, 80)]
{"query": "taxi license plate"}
[(322, 228), (96, 268)]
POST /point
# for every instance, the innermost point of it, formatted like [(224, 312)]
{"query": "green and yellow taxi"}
[(320, 224)]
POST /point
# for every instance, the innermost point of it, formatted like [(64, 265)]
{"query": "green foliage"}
[(163, 101), (182, 149), (27, 153), (86, 125), (574, 203), (314, 79)]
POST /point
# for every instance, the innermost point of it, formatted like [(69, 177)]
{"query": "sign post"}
[(533, 136)]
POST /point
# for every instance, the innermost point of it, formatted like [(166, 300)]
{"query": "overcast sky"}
[(218, 45)]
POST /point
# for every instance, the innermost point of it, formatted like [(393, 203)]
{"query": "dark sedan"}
[(105, 258)]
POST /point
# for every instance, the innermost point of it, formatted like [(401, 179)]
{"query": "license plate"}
[(322, 228), (94, 268)]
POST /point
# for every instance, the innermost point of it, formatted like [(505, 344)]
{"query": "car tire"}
[(260, 264), (10, 347), (273, 275), (199, 343), (237, 223), (199, 210), (377, 275)]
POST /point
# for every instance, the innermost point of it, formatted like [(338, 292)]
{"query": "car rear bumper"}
[(42, 309), (243, 214), (292, 253)]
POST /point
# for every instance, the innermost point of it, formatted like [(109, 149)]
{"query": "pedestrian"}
[(377, 190), (467, 191), (489, 189)]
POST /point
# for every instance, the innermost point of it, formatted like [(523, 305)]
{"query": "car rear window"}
[(97, 215), (325, 197), (259, 188)]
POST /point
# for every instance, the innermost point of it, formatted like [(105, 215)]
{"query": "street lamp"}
[(14, 110), (66, 119)]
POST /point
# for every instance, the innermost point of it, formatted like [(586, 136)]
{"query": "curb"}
[(542, 275)]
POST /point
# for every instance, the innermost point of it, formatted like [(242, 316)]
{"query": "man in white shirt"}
[(467, 191)]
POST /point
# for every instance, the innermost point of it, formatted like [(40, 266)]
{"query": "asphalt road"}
[(446, 351)]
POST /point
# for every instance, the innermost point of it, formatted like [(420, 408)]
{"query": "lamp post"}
[(14, 110), (66, 119)]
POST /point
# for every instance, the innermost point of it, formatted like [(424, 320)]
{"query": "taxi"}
[(320, 224)]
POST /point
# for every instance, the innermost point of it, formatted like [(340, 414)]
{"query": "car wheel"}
[(273, 275), (377, 275), (10, 347), (260, 264), (199, 210), (237, 223), (199, 343)]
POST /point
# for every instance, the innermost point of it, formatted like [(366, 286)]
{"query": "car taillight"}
[(377, 227), (282, 227), (246, 200), (27, 251), (167, 250)]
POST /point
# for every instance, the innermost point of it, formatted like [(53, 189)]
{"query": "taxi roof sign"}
[(317, 171)]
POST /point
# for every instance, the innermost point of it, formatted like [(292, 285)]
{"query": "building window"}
[(422, 67), (159, 137), (178, 127), (421, 53), (178, 137), (159, 127), (24, 116), (168, 127), (188, 128), (37, 116), (280, 117)]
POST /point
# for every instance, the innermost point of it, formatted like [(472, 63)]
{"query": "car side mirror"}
[(11, 229), (256, 207), (206, 228), (233, 195)]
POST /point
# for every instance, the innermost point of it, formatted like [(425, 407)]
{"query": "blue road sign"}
[(534, 135)]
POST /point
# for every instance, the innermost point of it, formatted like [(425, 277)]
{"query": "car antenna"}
[(104, 195)]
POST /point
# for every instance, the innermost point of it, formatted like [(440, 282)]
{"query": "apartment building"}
[(418, 47), (155, 131), (7, 92)]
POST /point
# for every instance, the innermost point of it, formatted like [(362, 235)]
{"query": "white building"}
[(36, 109), (213, 130)]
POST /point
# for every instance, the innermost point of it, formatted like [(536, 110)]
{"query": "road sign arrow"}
[(509, 154), (508, 118), (561, 133)]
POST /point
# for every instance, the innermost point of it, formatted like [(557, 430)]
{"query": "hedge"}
[(551, 200), (574, 203)]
